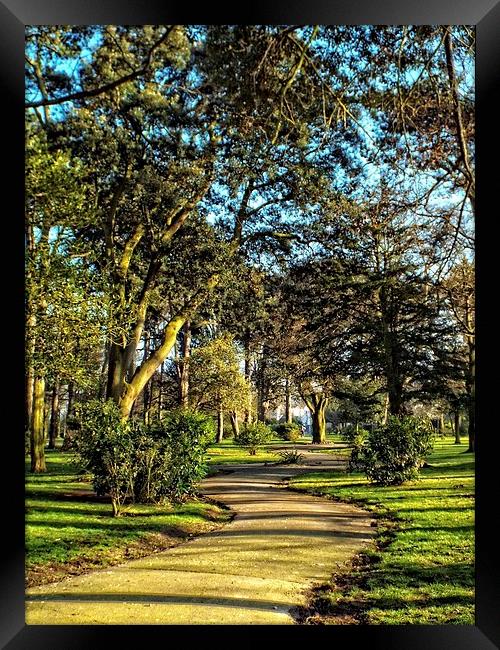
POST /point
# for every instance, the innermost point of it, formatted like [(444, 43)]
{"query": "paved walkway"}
[(252, 571)]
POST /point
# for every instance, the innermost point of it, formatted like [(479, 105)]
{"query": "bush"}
[(253, 435), (182, 438), (290, 457), (288, 431), (393, 453), (147, 463), (106, 448)]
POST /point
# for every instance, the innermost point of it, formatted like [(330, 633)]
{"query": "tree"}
[(60, 294), (217, 383), (460, 297)]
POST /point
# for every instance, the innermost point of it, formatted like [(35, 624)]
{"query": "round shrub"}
[(393, 453), (179, 440), (106, 448), (129, 460), (253, 435), (288, 431)]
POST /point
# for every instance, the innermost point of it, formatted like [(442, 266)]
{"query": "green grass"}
[(422, 571), (68, 530), (228, 451)]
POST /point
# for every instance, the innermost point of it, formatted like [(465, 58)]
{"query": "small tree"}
[(253, 435), (393, 453), (216, 381), (288, 431)]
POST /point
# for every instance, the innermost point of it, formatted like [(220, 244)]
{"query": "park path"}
[(252, 571)]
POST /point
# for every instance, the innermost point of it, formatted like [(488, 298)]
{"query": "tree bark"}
[(459, 125), (288, 402), (183, 365), (317, 404), (261, 390), (54, 416), (319, 423), (246, 343), (234, 423), (471, 382), (37, 438), (160, 391), (30, 384), (471, 402), (220, 425), (104, 371), (126, 393), (69, 409), (457, 420)]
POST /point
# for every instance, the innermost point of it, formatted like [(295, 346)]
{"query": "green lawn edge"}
[(69, 531), (421, 569)]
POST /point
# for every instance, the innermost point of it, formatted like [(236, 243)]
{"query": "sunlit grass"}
[(423, 569), (66, 525), (228, 452)]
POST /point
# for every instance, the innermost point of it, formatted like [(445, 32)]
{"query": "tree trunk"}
[(457, 419), (234, 423), (104, 371), (317, 404), (459, 125), (441, 425), (288, 402), (54, 416), (160, 392), (30, 384), (319, 422), (248, 409), (116, 373), (69, 408), (261, 391), (126, 393), (183, 365), (395, 397), (220, 425), (37, 439), (129, 392), (471, 390)]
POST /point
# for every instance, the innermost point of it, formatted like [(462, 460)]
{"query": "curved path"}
[(252, 571)]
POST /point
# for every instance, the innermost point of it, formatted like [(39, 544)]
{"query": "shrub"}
[(290, 456), (288, 431), (253, 435), (393, 453), (106, 448), (182, 438), (151, 463)]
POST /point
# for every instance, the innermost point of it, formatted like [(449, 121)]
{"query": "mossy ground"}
[(422, 571)]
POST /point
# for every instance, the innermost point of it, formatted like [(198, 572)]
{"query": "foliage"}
[(105, 445), (422, 569), (215, 378), (394, 453), (288, 431), (354, 435), (163, 460), (183, 437), (290, 456), (252, 435), (65, 534)]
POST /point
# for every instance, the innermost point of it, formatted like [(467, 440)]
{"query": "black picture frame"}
[(485, 15)]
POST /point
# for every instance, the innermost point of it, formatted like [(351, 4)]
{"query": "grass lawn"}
[(422, 571), (69, 530), (229, 452)]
